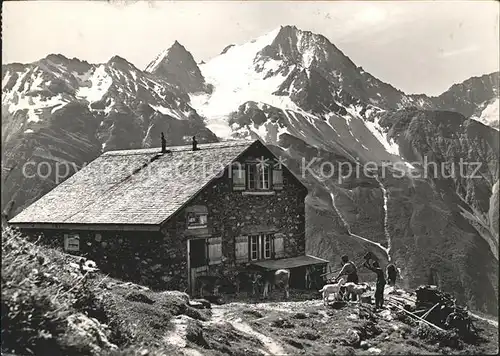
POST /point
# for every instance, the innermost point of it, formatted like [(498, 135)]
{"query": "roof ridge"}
[(180, 148)]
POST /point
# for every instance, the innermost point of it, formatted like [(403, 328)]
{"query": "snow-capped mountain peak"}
[(281, 69), (177, 66), (300, 47)]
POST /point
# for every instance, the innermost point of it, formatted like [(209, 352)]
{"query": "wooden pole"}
[(429, 311), (327, 273), (417, 317)]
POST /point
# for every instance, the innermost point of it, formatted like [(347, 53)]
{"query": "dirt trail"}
[(177, 336), (228, 313), (222, 314)]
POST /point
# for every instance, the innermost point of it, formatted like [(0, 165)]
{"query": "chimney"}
[(195, 144), (163, 144)]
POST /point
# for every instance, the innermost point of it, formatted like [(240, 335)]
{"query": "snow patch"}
[(109, 107), (5, 79), (377, 131), (100, 83), (166, 111), (154, 64), (58, 107), (308, 57), (83, 77), (283, 130), (262, 131), (490, 114), (386, 215), (34, 104), (37, 82)]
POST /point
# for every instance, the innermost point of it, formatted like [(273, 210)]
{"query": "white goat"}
[(331, 289), (357, 289)]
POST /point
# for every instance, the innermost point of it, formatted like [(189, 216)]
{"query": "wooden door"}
[(197, 261)]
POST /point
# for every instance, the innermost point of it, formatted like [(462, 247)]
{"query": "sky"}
[(417, 46)]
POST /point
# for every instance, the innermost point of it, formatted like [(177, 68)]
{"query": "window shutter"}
[(279, 248), (214, 250), (241, 248), (239, 177), (277, 179)]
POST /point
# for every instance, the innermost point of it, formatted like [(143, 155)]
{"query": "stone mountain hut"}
[(163, 217)]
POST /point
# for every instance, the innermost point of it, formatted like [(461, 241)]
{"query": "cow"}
[(309, 277), (211, 283), (246, 280), (280, 278)]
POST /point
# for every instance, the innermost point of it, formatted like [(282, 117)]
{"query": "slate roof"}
[(107, 191)]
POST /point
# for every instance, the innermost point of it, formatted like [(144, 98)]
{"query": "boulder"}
[(88, 332)]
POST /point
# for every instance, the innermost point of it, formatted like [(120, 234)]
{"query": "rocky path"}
[(224, 314), (291, 327), (177, 337)]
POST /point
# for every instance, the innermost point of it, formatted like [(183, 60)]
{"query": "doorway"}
[(198, 251)]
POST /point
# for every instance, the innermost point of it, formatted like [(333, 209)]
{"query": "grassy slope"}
[(42, 293)]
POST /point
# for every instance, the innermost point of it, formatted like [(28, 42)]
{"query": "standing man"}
[(351, 271), (379, 290), (392, 273)]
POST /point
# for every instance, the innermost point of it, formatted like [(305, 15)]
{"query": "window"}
[(266, 246), (71, 242), (259, 176), (238, 176), (197, 220), (254, 248), (277, 179), (261, 247)]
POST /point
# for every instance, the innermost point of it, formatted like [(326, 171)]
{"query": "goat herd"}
[(342, 291)]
